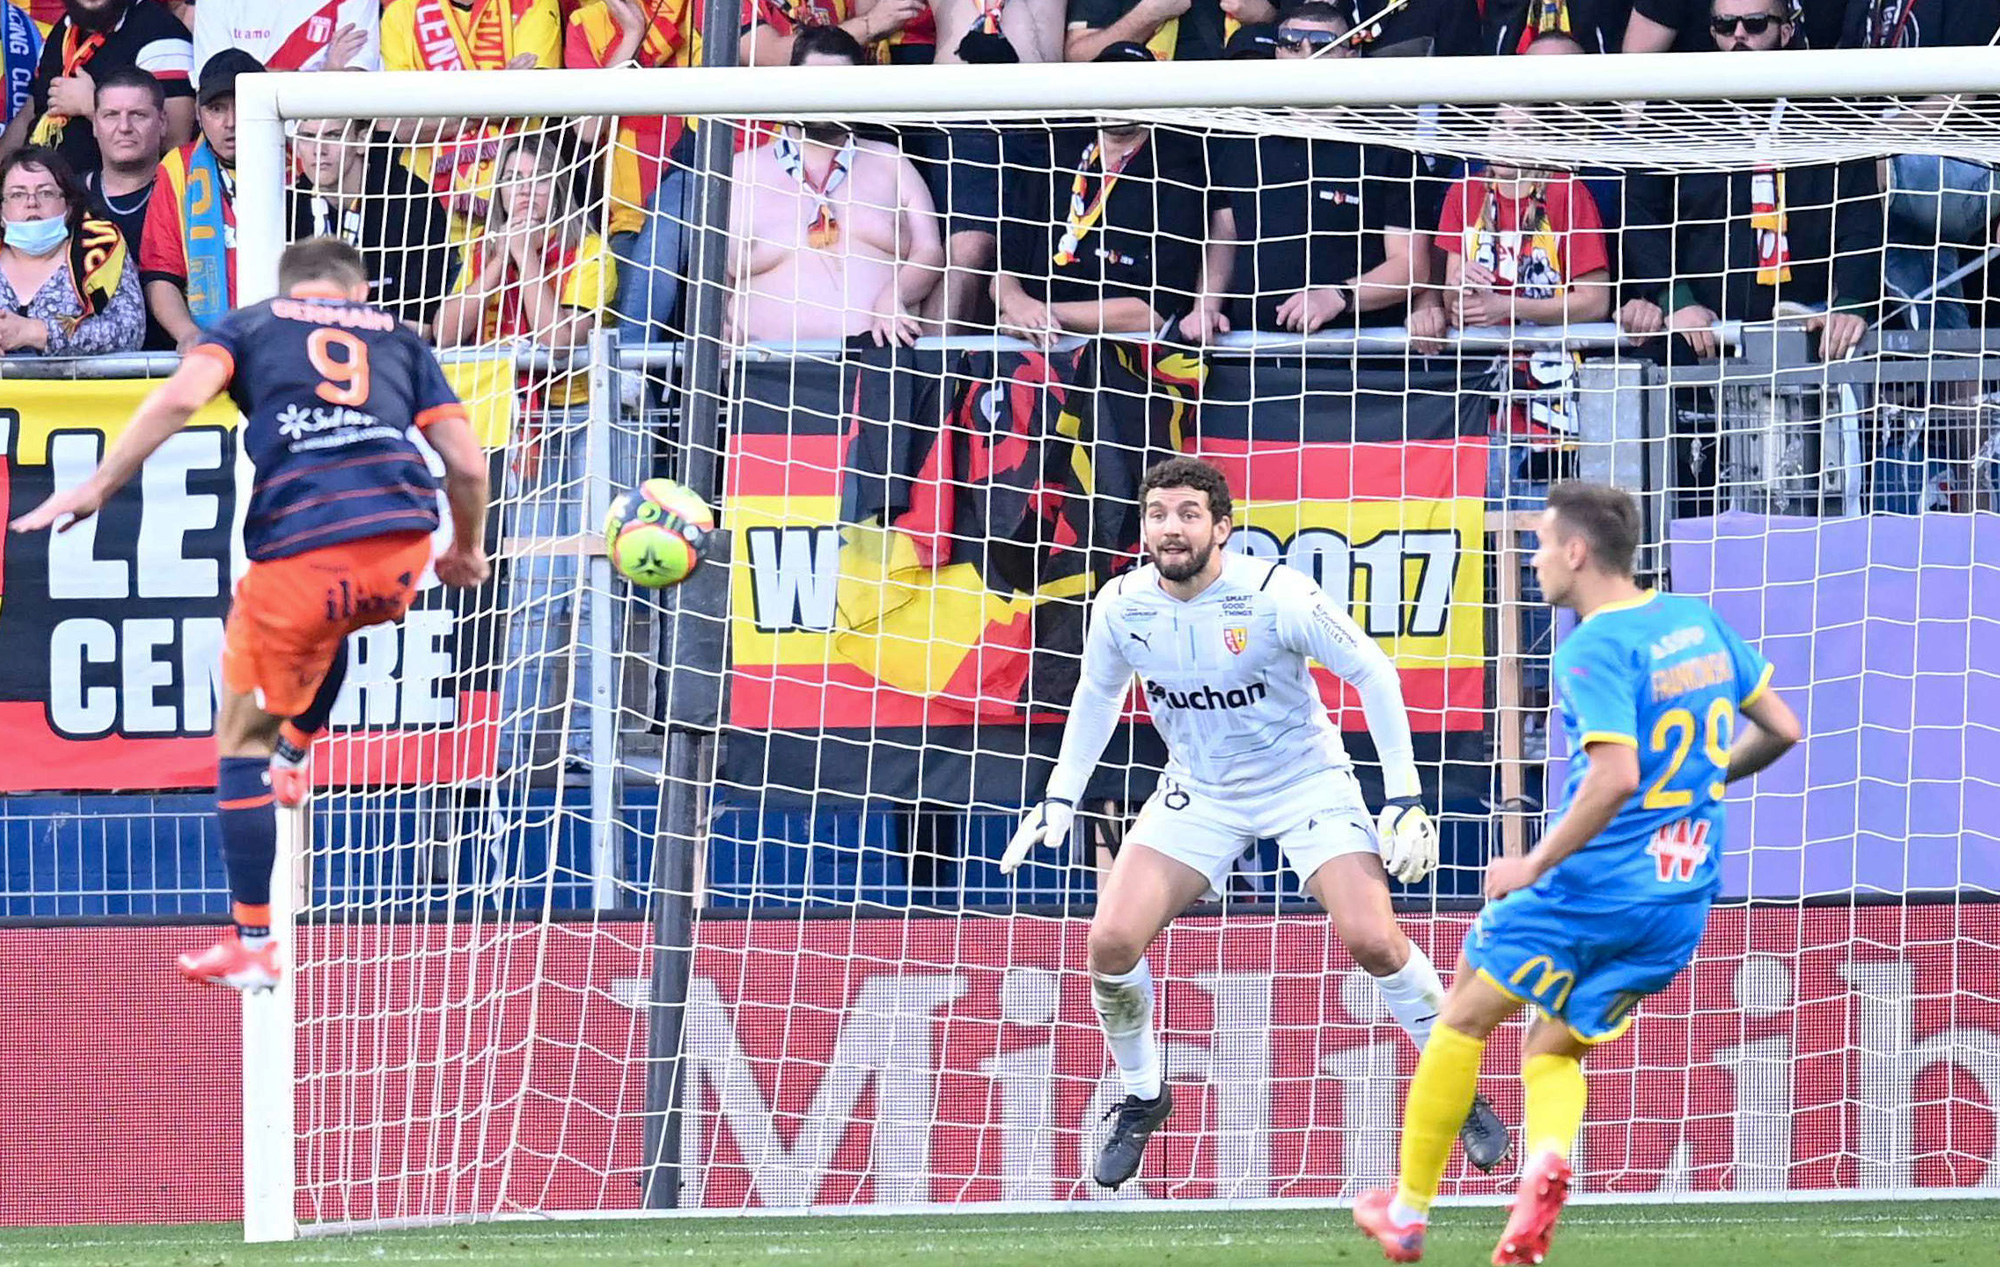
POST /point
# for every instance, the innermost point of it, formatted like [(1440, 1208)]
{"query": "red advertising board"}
[(956, 1059)]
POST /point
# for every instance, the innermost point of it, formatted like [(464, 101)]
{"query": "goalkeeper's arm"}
[(1093, 715), (1330, 636)]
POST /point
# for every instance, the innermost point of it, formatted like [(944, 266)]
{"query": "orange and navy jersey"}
[(329, 390)]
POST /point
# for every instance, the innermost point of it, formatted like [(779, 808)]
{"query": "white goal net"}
[(689, 898)]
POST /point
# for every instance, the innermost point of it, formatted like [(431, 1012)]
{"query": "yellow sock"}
[(1441, 1094), (1556, 1095)]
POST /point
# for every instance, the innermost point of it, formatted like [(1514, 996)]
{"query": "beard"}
[(99, 18), (1188, 567)]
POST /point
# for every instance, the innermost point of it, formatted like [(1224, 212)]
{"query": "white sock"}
[(1402, 1215), (253, 941), (1124, 1004), (1414, 995)]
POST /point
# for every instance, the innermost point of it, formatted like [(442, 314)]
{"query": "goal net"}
[(688, 899)]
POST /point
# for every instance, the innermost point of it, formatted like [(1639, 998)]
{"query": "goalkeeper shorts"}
[(1317, 818)]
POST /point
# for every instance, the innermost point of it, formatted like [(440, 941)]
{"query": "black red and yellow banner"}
[(917, 536)]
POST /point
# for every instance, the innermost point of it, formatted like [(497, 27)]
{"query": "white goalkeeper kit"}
[(1251, 750)]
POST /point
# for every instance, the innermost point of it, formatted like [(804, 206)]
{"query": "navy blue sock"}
[(297, 734), (249, 821)]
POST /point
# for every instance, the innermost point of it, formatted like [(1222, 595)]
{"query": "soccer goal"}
[(616, 900)]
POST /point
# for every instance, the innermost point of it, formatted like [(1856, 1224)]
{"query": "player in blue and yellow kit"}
[(1663, 705), (338, 531)]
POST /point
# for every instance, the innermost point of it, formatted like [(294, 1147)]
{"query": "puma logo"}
[(1143, 640)]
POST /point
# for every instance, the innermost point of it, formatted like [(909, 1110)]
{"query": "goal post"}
[(775, 969)]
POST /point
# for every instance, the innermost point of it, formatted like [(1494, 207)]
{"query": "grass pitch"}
[(1904, 1234)]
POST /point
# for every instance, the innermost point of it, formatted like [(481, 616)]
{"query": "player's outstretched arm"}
[(200, 379), (1774, 729), (1093, 715), (465, 487), (1409, 839)]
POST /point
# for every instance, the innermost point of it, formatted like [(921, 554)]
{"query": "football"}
[(655, 534)]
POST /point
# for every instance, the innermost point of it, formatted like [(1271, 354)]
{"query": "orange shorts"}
[(291, 614)]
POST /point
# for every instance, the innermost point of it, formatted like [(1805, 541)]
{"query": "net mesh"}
[(691, 895)]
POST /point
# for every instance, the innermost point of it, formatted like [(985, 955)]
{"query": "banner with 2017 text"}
[(111, 633), (917, 536)]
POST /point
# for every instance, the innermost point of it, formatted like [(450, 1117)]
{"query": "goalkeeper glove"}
[(1409, 840), (1046, 824)]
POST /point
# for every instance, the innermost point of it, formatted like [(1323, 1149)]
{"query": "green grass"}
[(1918, 1234)]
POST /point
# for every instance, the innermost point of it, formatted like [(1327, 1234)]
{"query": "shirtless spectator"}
[(830, 236)]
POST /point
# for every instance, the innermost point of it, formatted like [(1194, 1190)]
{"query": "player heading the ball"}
[(1220, 642), (338, 531), (1611, 905)]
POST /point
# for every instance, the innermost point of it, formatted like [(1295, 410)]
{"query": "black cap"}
[(1126, 51), (1258, 42), (218, 74)]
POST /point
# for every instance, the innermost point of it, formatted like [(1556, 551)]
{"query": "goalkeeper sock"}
[(1440, 1096), (1556, 1096), (249, 823), (1414, 995), (295, 736), (1124, 1004)]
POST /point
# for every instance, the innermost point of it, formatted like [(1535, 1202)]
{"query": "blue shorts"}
[(1585, 968)]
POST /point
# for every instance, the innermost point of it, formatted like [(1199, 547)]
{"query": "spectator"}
[(131, 128), (539, 272), (292, 34), (1941, 210), (1658, 26), (95, 38), (770, 26), (130, 124), (67, 285), (1441, 28), (649, 194), (1523, 247), (20, 53), (187, 256), (353, 187), (1704, 247), (456, 156), (1172, 30), (1117, 247), (830, 235), (961, 165), (1325, 230), (1597, 26)]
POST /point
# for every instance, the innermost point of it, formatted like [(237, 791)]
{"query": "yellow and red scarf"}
[(76, 54), (1767, 218)]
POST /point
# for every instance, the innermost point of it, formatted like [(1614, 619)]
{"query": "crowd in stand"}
[(118, 166)]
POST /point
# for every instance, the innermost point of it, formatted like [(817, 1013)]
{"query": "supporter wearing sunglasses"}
[(1750, 26), (1304, 37)]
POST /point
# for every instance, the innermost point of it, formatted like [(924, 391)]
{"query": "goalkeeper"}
[(1220, 643)]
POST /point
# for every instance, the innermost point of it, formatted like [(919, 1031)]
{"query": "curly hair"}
[(1187, 472)]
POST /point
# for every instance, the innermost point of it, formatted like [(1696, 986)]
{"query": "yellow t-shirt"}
[(486, 36), (586, 278)]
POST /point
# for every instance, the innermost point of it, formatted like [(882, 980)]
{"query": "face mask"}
[(37, 237)]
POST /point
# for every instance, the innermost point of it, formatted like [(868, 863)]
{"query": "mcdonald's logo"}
[(1549, 976)]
